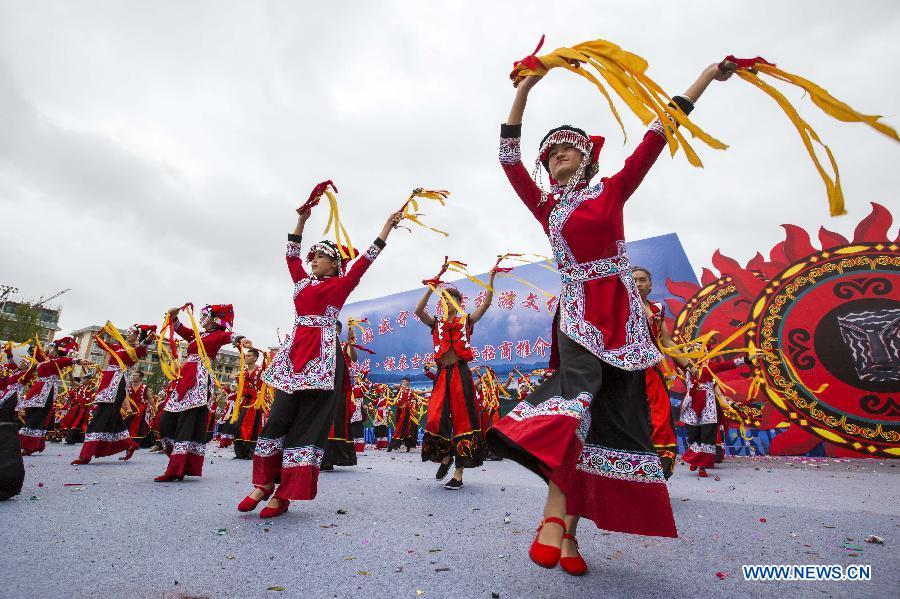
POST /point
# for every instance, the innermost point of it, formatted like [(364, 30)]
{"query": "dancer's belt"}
[(314, 320), (596, 269)]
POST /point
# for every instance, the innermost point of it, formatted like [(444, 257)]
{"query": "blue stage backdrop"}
[(515, 332)]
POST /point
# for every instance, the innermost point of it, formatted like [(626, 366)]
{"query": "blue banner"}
[(515, 331)]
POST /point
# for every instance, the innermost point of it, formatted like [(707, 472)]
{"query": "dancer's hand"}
[(724, 70), (391, 224), (527, 83)]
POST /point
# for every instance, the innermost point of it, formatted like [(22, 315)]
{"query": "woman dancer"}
[(304, 373), (107, 434), (453, 421), (183, 424), (38, 401), (587, 433)]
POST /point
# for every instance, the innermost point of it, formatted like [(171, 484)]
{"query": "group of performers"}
[(597, 427)]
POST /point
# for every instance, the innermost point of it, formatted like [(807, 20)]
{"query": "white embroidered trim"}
[(108, 393), (266, 448), (510, 151), (309, 455), (183, 447), (108, 437), (622, 465)]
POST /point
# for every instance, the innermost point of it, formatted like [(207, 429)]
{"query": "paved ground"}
[(118, 534)]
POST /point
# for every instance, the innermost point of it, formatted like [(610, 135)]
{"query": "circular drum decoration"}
[(830, 326)]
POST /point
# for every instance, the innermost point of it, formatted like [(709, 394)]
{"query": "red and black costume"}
[(226, 429), (38, 401), (663, 437), (340, 450), (107, 434), (700, 414), (250, 416), (357, 419), (380, 405), (183, 424), (453, 420), (406, 432), (12, 386), (305, 373), (587, 428), (76, 420), (139, 421)]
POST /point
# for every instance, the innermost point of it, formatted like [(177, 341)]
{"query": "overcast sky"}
[(152, 153)]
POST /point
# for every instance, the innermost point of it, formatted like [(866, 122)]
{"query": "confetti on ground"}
[(276, 589), (722, 575), (221, 531), (874, 539)]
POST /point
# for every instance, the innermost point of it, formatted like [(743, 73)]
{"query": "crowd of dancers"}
[(595, 425)]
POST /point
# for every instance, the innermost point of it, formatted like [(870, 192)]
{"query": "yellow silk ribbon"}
[(410, 209), (169, 364), (340, 233), (625, 73), (113, 332), (830, 106)]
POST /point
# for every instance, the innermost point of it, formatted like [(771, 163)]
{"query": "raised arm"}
[(644, 156), (422, 309), (183, 331), (294, 253), (476, 315), (511, 155)]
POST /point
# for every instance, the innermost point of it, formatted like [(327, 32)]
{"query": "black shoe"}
[(443, 469), (453, 484), (326, 468)]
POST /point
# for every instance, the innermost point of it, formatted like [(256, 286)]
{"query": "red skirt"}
[(453, 421), (588, 430)]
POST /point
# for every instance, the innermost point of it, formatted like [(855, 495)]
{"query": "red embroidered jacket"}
[(192, 388), (307, 359), (47, 380), (113, 374), (600, 308)]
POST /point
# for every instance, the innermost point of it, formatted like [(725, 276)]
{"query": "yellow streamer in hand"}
[(168, 363), (411, 207), (240, 386), (827, 103), (341, 237), (624, 72)]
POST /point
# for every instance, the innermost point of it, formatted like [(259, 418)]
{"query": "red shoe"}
[(702, 473), (575, 566), (693, 467), (270, 512), (166, 479), (129, 452), (546, 556), (80, 462), (248, 504)]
